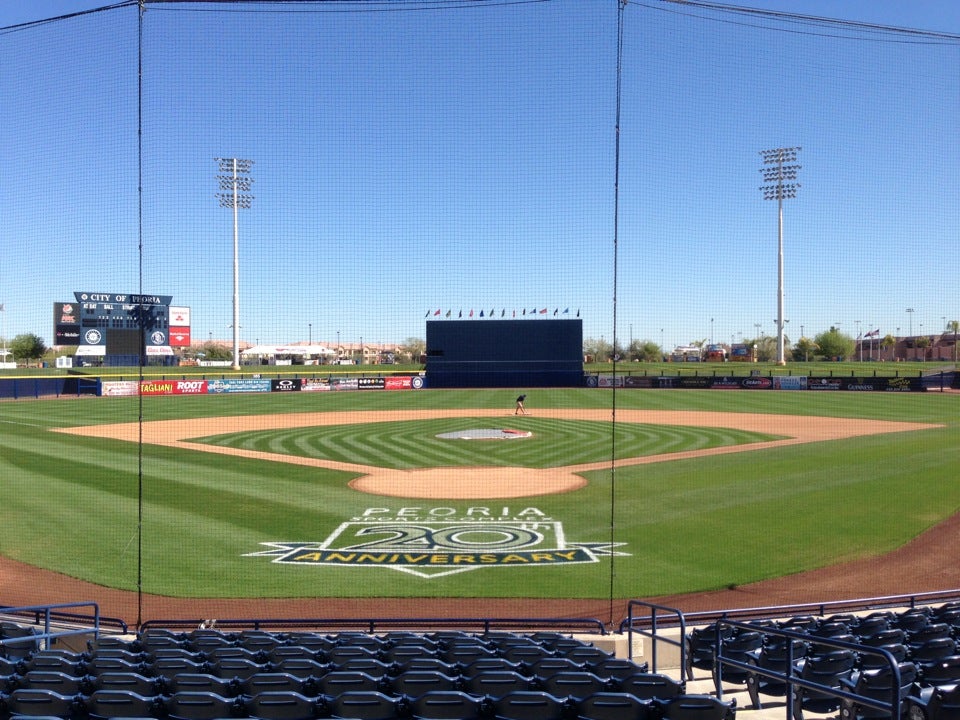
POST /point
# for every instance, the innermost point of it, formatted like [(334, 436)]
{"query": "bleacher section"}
[(206, 674)]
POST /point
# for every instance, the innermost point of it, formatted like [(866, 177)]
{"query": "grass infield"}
[(71, 504)]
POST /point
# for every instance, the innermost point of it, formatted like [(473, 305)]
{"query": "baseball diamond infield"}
[(926, 563)]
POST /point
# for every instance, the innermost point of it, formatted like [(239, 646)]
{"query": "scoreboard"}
[(121, 325)]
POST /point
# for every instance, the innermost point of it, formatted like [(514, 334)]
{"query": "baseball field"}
[(439, 496)]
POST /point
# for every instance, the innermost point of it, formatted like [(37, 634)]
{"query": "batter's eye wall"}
[(504, 353)]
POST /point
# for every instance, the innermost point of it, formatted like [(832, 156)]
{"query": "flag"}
[(481, 313), (503, 312), (514, 313), (471, 312), (461, 314), (448, 312), (578, 312), (491, 312), (873, 333), (555, 311), (543, 312), (437, 312), (428, 314), (566, 311), (524, 311)]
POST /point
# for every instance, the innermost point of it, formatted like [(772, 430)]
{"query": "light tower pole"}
[(235, 185), (775, 172)]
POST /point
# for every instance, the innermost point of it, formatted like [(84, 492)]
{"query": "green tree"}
[(27, 347), (599, 350), (888, 341), (215, 351), (413, 349), (953, 327), (804, 349), (835, 344), (922, 343), (645, 351)]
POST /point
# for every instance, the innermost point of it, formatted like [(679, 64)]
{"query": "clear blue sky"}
[(459, 159)]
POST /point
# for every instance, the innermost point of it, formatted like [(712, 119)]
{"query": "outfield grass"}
[(71, 503)]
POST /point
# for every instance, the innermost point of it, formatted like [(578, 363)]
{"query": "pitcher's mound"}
[(468, 483), (486, 434)]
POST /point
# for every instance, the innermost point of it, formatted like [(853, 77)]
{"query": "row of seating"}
[(414, 683), (360, 705), (922, 642)]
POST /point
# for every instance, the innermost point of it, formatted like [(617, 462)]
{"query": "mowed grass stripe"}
[(411, 444)]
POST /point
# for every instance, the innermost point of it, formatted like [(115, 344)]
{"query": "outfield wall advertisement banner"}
[(761, 382), (118, 388)]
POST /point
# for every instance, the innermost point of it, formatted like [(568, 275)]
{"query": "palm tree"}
[(954, 327)]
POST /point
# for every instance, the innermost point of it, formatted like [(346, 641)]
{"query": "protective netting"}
[(415, 160)]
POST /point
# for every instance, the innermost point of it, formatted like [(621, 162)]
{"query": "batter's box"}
[(435, 549)]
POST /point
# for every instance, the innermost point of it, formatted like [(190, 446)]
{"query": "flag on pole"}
[(471, 312), (461, 314), (503, 312), (437, 312), (543, 312), (566, 311), (481, 313), (555, 311), (449, 312), (428, 314), (578, 312)]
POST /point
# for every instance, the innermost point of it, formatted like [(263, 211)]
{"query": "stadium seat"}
[(931, 631), (933, 650), (200, 706), (529, 705), (57, 681), (617, 668), (270, 682), (99, 665), (303, 667), (369, 665), (497, 683), (427, 664), (280, 653), (899, 651), (465, 653), (575, 685), (886, 636), (911, 620), (34, 702), (701, 644), (831, 669), (614, 706), (201, 682), (485, 664), (55, 663), (742, 647), (935, 704), (103, 704), (364, 705), (170, 666), (240, 668), (652, 686), (775, 657), (134, 682), (942, 672), (338, 682), (19, 641), (281, 705), (447, 705), (545, 667), (695, 707), (416, 683), (525, 653), (400, 654), (877, 685), (342, 653)]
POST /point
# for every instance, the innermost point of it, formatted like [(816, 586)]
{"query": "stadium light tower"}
[(235, 182), (778, 173)]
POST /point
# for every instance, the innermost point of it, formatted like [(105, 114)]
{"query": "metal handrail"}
[(631, 628), (792, 680), (48, 613)]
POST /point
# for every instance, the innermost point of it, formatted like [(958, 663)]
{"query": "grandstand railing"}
[(373, 625), (793, 680), (56, 620), (649, 627), (706, 617)]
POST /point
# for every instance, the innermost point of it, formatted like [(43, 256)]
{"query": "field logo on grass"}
[(439, 541)]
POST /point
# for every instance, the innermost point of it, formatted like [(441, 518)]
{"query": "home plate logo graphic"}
[(437, 548)]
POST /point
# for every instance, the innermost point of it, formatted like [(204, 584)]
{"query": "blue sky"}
[(464, 159)]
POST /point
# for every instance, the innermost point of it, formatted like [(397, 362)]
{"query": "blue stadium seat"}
[(365, 705), (696, 707), (447, 705), (529, 705), (614, 706), (281, 705), (104, 704), (201, 706)]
